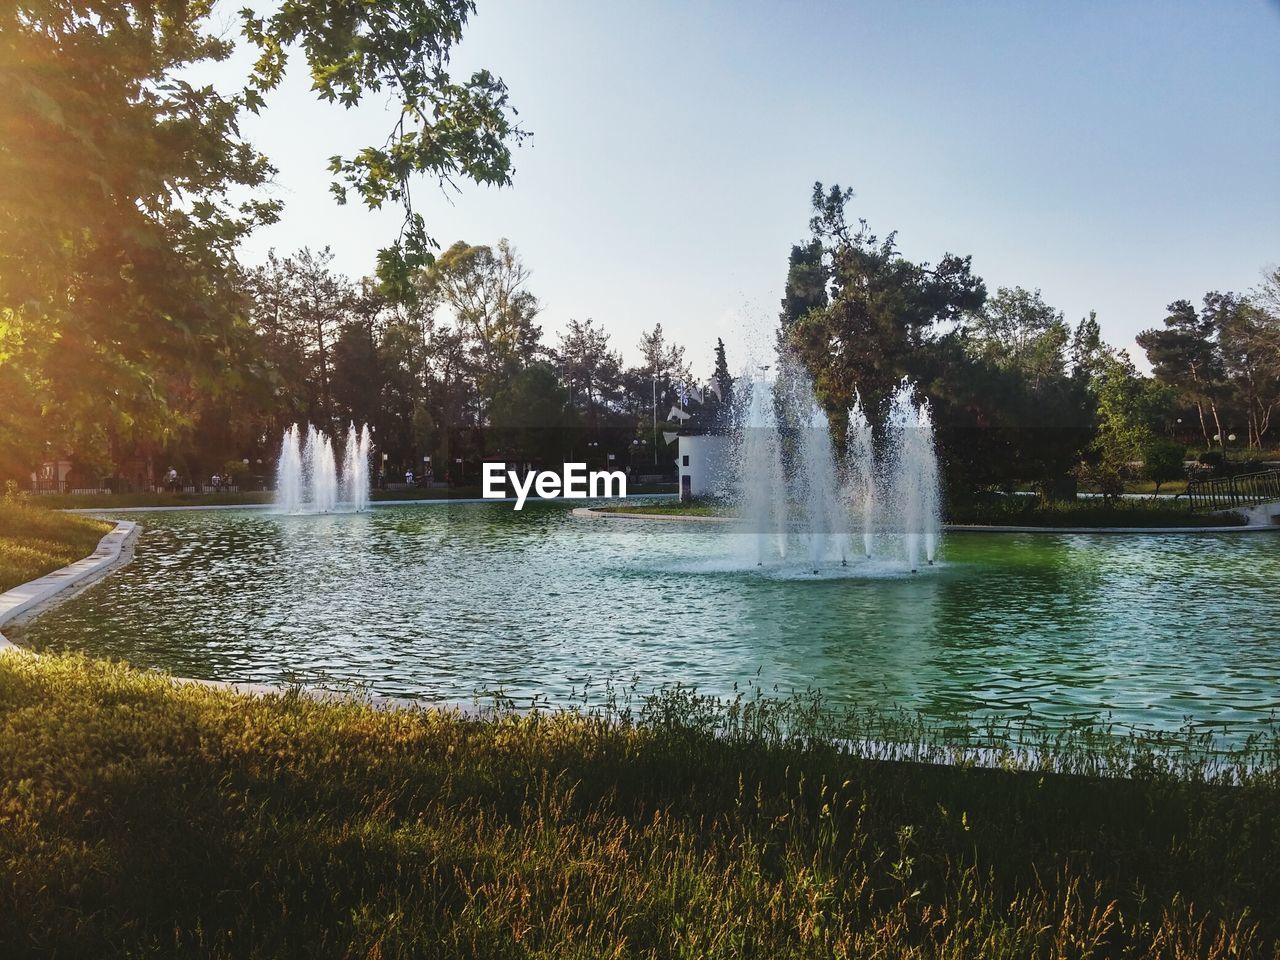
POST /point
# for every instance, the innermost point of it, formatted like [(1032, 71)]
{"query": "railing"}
[(51, 487), (1223, 493)]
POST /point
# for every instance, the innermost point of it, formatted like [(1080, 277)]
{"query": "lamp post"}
[(655, 418)]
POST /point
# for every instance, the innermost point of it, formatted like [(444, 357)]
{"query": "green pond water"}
[(440, 603)]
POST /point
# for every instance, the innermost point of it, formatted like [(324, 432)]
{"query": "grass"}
[(1008, 511), (35, 540), (145, 819), (685, 508)]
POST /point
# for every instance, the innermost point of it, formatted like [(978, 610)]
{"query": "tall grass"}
[(141, 818), (35, 540)]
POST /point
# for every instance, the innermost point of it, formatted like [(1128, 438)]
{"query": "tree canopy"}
[(125, 190)]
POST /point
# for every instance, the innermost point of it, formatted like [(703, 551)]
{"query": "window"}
[(686, 460)]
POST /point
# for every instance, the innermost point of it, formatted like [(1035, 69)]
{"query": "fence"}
[(43, 487), (1224, 493)]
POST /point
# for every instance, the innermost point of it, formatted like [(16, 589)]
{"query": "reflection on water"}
[(438, 603)]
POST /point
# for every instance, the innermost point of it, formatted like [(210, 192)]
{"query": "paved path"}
[(28, 599), (950, 527)]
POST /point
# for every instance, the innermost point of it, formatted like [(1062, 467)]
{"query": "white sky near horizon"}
[(1116, 156)]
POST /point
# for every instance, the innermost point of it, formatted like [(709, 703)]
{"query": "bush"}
[(1162, 462), (1212, 459)]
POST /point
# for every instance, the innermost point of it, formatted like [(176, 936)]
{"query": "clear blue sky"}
[(1117, 156)]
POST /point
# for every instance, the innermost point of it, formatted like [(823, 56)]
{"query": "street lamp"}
[(655, 418)]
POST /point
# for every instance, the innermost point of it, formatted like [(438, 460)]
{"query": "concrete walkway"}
[(1252, 527), (26, 600), (437, 502)]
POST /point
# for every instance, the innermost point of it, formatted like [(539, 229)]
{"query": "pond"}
[(441, 603)]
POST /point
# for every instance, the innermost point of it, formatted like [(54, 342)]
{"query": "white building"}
[(703, 461)]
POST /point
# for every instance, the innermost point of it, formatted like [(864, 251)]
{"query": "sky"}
[(1117, 156)]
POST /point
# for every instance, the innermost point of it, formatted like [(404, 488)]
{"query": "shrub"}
[(1213, 459), (1162, 462)]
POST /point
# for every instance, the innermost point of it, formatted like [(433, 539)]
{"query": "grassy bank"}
[(35, 540), (144, 819), (696, 508), (1008, 511)]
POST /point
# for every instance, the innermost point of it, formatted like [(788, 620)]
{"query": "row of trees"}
[(1223, 361), (457, 368), (1019, 396)]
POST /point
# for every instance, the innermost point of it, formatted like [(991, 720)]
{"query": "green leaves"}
[(445, 129), (118, 231)]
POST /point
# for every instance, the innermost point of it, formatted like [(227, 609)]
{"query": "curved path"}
[(29, 599)]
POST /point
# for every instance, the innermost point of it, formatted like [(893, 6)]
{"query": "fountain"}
[(791, 483), (860, 473), (911, 476), (762, 497), (289, 473), (307, 472), (820, 489), (355, 468)]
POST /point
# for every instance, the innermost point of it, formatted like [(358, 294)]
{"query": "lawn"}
[(681, 508), (142, 818), (35, 540)]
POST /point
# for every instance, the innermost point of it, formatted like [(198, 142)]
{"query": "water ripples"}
[(438, 603)]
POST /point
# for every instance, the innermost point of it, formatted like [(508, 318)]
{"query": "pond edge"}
[(948, 527)]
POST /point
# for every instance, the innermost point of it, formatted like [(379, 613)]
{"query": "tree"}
[(1016, 328), (1162, 461), (1131, 412), (1267, 296), (484, 287), (1249, 343), (1087, 349), (531, 418), (125, 190), (806, 283), (1185, 356), (444, 128), (662, 359), (590, 369), (358, 376), (299, 307), (722, 376), (882, 308)]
